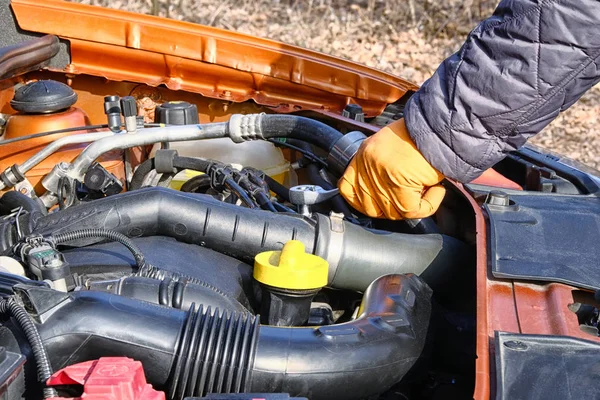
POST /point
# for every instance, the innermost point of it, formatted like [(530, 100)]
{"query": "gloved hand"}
[(390, 178)]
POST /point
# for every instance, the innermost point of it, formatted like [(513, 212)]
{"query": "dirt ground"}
[(408, 38)]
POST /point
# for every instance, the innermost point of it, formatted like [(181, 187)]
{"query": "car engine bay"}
[(221, 256), (171, 228)]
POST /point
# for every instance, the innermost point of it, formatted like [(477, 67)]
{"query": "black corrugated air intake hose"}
[(197, 352), (356, 255), (8, 306)]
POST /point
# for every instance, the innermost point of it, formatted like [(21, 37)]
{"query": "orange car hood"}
[(124, 46)]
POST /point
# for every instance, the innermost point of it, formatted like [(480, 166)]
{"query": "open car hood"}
[(123, 46)]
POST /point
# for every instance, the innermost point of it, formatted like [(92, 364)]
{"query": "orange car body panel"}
[(511, 306)]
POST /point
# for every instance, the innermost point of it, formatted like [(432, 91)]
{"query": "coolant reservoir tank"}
[(44, 106), (259, 154)]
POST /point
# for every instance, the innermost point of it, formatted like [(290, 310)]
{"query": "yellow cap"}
[(291, 268)]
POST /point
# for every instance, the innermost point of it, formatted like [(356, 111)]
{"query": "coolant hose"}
[(13, 199), (140, 174), (201, 351), (26, 324), (340, 148), (178, 163), (268, 126), (356, 255)]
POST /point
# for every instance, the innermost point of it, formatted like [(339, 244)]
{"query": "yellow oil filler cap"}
[(291, 268)]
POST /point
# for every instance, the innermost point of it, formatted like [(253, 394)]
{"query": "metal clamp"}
[(304, 196)]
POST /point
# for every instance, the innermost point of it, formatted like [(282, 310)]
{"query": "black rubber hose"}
[(199, 352), (269, 126), (277, 188), (196, 184), (14, 199), (302, 128), (140, 173), (309, 155), (179, 163), (26, 324), (196, 164)]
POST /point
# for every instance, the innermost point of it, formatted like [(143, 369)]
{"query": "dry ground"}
[(408, 38)]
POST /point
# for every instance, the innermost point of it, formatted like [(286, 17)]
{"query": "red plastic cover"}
[(108, 378)]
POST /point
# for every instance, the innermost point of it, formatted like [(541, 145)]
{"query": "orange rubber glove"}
[(389, 178)]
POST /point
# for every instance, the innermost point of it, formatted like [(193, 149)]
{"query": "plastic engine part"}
[(109, 378), (11, 377), (243, 233), (176, 113), (291, 268), (200, 351), (289, 280), (45, 96)]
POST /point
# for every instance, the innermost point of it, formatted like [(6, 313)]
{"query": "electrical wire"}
[(309, 155), (60, 238), (25, 323), (65, 130)]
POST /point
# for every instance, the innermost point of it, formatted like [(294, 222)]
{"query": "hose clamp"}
[(330, 241), (344, 150)]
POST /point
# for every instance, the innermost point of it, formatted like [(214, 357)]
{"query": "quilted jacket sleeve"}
[(514, 74)]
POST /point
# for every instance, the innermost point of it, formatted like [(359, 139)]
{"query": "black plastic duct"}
[(198, 352), (187, 217), (356, 255)]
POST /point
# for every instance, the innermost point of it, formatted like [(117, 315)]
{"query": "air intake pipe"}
[(356, 255), (197, 352)]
